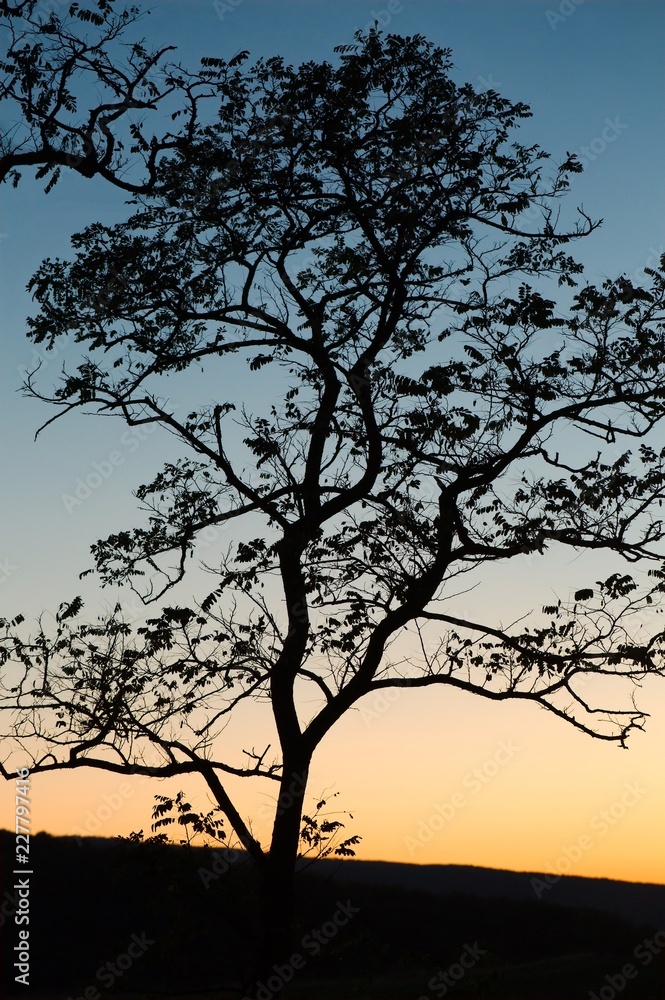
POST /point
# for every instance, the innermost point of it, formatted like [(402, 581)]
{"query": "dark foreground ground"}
[(139, 922)]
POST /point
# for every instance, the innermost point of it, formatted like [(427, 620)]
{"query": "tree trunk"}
[(276, 888)]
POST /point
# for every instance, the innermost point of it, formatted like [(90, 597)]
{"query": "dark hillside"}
[(639, 902), (373, 929)]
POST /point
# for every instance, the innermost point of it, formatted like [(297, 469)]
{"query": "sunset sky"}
[(436, 777)]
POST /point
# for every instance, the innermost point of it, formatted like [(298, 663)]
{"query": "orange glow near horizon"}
[(440, 779)]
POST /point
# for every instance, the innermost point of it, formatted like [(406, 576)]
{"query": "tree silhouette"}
[(84, 94), (370, 243)]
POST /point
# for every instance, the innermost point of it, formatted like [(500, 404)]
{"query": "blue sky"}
[(593, 75)]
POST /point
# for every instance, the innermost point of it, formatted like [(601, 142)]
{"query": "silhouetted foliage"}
[(82, 94), (358, 253)]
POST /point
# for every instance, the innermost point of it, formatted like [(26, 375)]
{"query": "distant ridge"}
[(639, 902)]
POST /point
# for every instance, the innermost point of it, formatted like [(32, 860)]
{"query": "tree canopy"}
[(360, 256)]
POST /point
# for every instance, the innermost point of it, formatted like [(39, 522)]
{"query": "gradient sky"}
[(437, 777)]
